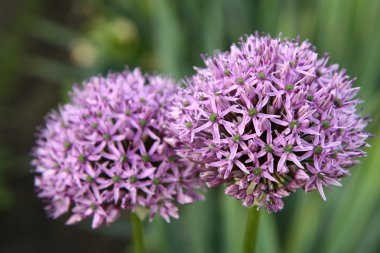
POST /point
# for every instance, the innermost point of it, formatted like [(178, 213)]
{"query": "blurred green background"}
[(46, 46)]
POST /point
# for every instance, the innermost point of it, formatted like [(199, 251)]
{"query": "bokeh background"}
[(46, 46)]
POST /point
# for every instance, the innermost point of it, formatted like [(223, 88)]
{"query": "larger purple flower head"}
[(107, 151), (267, 118)]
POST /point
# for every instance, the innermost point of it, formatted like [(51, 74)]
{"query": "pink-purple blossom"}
[(267, 118), (107, 151)]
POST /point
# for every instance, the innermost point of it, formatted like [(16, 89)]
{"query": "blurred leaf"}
[(120, 229), (357, 209), (12, 46), (48, 31), (305, 223), (168, 37), (268, 241), (5, 194), (234, 217), (51, 70), (213, 26), (370, 238)]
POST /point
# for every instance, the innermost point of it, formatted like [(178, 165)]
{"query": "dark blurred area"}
[(46, 46), (25, 97)]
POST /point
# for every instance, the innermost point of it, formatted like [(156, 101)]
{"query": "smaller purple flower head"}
[(107, 151), (267, 118)]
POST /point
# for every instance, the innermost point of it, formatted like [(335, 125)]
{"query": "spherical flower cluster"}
[(107, 151), (267, 118)]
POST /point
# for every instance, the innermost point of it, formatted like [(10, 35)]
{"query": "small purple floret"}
[(267, 118), (107, 151)]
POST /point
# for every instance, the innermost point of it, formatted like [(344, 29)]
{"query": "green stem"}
[(251, 230), (137, 234)]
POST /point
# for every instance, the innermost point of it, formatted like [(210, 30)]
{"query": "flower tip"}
[(301, 175)]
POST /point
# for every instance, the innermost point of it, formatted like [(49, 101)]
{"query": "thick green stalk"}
[(252, 225), (137, 234)]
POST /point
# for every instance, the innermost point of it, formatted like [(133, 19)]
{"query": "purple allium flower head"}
[(267, 118), (107, 151)]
